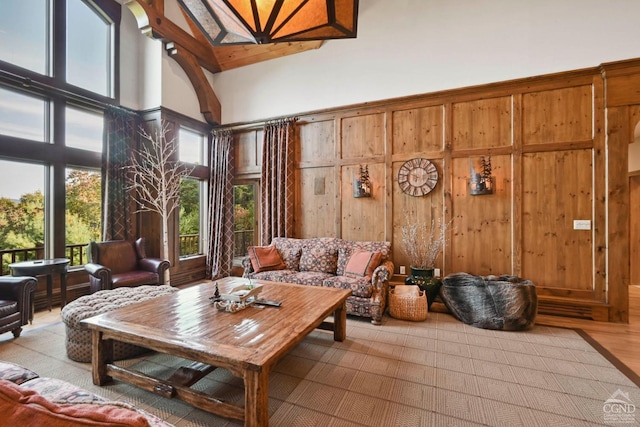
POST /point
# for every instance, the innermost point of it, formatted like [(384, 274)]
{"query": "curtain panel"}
[(277, 195), (219, 245), (120, 134)]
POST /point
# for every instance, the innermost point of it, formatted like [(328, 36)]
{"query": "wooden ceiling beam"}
[(152, 22), (209, 104)]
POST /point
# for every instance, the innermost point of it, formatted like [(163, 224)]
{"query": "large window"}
[(192, 151), (53, 91), (89, 41), (23, 116), (22, 212), (190, 218), (245, 217), (83, 129), (24, 34), (83, 212)]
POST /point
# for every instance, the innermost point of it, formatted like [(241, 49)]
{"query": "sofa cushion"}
[(348, 247), (57, 390), (312, 278), (273, 275), (362, 264), (290, 250), (265, 258), (15, 373), (21, 406), (321, 255), (359, 287)]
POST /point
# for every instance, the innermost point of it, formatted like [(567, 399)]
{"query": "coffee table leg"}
[(340, 323), (101, 355), (256, 398)]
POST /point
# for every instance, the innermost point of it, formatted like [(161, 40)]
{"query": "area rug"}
[(432, 373)]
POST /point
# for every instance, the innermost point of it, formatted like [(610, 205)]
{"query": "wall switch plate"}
[(581, 224), (403, 269), (436, 272)]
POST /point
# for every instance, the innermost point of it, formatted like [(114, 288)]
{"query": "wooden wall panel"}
[(481, 240), (418, 129), (248, 152), (557, 189), (363, 136), (424, 209), (634, 232), (317, 196), (363, 218), (560, 115), (484, 123), (317, 141), (556, 153)]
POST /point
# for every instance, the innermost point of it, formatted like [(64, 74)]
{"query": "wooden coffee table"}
[(247, 343)]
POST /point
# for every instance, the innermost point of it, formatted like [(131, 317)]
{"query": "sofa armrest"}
[(154, 265), (248, 267), (380, 279), (98, 271), (19, 289)]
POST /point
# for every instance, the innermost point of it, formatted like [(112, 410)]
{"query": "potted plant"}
[(422, 244)]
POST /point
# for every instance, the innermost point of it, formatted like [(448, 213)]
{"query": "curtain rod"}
[(255, 124), (27, 82)]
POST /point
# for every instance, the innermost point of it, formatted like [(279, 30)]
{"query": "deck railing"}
[(77, 253)]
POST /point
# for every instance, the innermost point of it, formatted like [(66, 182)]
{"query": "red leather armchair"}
[(119, 263), (16, 294)]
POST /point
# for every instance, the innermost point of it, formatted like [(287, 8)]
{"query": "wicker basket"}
[(408, 303)]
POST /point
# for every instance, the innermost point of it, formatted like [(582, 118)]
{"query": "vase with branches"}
[(422, 244), (155, 175)]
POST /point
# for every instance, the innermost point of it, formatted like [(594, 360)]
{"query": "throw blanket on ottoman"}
[(78, 336), (506, 302)]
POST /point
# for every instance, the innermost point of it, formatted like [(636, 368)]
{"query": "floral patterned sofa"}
[(324, 261)]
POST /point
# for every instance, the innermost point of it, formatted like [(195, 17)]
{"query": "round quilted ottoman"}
[(78, 336)]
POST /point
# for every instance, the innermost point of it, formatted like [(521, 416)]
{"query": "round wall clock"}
[(417, 177)]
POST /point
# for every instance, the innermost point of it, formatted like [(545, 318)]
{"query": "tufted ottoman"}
[(78, 337)]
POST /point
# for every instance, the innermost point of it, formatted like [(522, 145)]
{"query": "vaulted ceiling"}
[(194, 52)]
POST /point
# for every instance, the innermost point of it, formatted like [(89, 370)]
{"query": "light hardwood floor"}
[(622, 340)]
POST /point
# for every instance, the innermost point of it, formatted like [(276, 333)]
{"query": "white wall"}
[(407, 47), (140, 66)]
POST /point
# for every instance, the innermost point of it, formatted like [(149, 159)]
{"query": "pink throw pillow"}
[(362, 264), (265, 258)]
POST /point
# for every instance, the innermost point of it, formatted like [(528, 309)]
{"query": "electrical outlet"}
[(403, 269), (581, 224), (436, 272)]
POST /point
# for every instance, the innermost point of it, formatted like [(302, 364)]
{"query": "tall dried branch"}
[(423, 244)]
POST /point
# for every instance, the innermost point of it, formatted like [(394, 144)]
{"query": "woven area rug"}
[(432, 373)]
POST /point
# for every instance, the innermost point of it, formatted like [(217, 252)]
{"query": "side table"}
[(46, 267)]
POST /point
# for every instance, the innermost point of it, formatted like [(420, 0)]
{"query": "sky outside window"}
[(24, 33)]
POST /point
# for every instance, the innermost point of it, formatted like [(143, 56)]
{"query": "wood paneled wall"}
[(552, 158)]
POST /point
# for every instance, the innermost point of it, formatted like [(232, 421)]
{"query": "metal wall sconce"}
[(362, 184), (481, 181)]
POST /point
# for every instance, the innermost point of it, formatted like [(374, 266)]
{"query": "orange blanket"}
[(26, 407)]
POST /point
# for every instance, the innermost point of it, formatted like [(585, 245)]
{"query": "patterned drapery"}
[(219, 247), (277, 179), (119, 140)]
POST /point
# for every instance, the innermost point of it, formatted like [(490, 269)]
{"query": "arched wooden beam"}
[(153, 23), (209, 103)]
